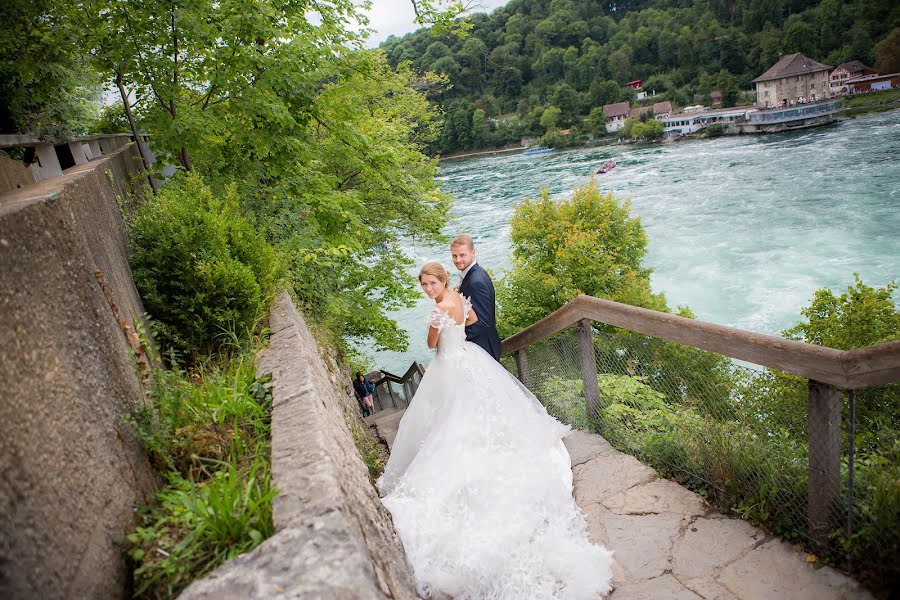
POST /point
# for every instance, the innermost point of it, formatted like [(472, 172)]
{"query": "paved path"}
[(668, 544)]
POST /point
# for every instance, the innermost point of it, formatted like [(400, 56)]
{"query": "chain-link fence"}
[(739, 435)]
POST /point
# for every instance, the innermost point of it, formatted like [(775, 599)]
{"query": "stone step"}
[(669, 544)]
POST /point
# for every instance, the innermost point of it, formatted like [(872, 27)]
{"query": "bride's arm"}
[(433, 334), (472, 318)]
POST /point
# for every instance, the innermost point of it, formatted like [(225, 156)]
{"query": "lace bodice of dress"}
[(452, 336)]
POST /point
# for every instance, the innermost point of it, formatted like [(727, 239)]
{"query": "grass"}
[(873, 102), (208, 431)]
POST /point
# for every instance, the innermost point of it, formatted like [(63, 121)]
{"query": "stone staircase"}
[(668, 543)]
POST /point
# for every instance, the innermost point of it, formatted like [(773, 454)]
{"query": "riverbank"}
[(489, 152), (852, 107)]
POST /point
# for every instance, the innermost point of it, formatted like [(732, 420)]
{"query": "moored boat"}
[(538, 150)]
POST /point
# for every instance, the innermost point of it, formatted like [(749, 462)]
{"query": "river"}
[(742, 230)]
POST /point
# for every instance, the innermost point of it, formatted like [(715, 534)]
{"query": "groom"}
[(476, 286)]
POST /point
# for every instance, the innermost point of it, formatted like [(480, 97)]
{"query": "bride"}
[(479, 482)]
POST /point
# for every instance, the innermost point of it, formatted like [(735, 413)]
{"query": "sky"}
[(395, 17)]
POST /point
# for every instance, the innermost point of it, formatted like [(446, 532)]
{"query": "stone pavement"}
[(668, 543)]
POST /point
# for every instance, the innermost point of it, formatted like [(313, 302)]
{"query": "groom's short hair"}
[(463, 239)]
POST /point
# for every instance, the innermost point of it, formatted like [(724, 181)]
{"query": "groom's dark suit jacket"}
[(478, 287)]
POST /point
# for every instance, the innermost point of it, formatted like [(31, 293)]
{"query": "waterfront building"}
[(853, 69), (615, 115), (637, 111), (794, 79), (873, 83), (683, 123), (661, 110)]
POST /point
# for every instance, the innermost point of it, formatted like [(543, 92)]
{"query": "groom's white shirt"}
[(464, 272)]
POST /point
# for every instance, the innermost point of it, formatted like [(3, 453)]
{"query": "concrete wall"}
[(70, 469), (13, 174), (334, 539)]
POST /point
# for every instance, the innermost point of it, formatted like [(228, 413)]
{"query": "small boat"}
[(606, 167), (538, 150)]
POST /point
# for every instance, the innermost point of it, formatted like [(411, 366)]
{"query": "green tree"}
[(887, 53), (479, 127), (47, 87), (201, 268), (651, 129), (597, 121), (550, 118), (861, 316), (588, 244)]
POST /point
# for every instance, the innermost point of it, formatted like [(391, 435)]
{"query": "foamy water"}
[(742, 230)]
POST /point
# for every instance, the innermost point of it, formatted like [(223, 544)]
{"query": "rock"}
[(709, 589), (708, 544), (664, 587), (643, 543), (604, 476), (656, 497), (584, 446), (776, 570)]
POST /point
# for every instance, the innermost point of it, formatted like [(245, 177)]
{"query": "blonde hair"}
[(463, 239), (435, 269)]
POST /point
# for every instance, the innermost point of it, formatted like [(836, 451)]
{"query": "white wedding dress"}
[(480, 486)]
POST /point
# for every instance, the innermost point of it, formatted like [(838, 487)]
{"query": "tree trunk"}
[(134, 130)]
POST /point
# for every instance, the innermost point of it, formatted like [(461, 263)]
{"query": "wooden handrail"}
[(851, 369), (415, 367)]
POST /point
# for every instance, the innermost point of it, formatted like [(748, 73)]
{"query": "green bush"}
[(201, 268), (208, 432)]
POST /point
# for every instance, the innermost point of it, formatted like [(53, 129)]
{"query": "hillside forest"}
[(531, 56)]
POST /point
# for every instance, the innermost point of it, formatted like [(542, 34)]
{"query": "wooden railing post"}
[(588, 366), (522, 368), (390, 388), (824, 436)]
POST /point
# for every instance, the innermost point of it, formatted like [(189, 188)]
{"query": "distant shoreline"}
[(847, 112), (482, 153)]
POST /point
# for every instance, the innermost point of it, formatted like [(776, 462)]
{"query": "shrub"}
[(208, 432), (201, 268)]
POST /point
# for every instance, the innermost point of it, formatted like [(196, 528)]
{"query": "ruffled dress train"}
[(479, 485)]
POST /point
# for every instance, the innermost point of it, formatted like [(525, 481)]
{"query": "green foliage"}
[(199, 526), (578, 56), (588, 244), (862, 316), (597, 121), (112, 120), (200, 267), (47, 88), (550, 117), (555, 138), (318, 142), (887, 53), (208, 431), (715, 130), (651, 129), (877, 508)]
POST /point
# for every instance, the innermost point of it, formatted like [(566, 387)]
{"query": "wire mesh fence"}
[(739, 435)]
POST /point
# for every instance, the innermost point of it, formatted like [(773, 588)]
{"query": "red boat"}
[(606, 167)]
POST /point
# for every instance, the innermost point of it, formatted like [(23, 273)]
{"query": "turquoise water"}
[(742, 230)]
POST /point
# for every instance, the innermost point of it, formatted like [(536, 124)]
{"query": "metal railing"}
[(763, 440), (396, 391)]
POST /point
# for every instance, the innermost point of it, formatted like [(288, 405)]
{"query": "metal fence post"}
[(588, 366), (522, 368), (824, 436)]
